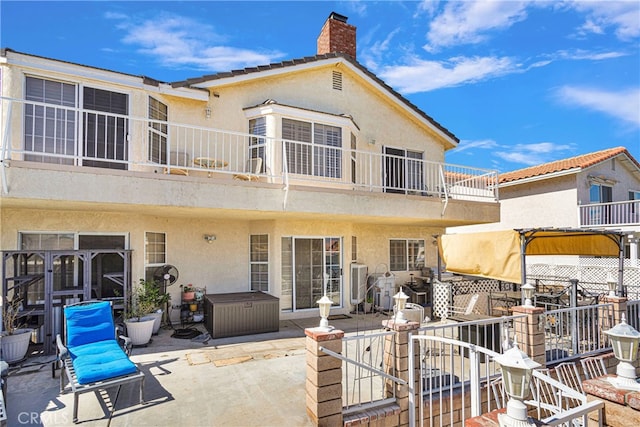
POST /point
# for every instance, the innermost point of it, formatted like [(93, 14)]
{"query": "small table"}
[(209, 163)]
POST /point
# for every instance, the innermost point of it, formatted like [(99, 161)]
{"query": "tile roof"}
[(316, 58), (578, 162)]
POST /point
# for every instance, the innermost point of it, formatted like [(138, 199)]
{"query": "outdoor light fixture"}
[(207, 112), (401, 302), (209, 238), (527, 292), (516, 375), (624, 340), (325, 307), (611, 284)]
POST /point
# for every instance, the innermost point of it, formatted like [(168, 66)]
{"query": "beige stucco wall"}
[(221, 266)]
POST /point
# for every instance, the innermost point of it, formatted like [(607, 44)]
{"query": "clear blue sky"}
[(520, 83)]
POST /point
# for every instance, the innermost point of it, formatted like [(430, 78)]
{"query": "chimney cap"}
[(338, 17)]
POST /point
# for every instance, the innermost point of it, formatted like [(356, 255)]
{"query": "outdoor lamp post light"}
[(527, 292), (612, 285), (624, 340), (401, 302), (516, 375), (325, 307)]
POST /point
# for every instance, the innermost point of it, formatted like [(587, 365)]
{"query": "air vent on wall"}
[(337, 80)]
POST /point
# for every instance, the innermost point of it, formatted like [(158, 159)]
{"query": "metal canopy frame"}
[(527, 235)]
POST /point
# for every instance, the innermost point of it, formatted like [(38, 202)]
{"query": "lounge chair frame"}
[(64, 358)]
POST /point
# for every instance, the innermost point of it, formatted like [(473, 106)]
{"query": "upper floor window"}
[(599, 193), (158, 129), (403, 171), (258, 127), (313, 148)]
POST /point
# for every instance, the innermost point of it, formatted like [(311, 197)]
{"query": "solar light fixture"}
[(624, 341), (401, 303), (527, 293), (611, 285), (516, 376)]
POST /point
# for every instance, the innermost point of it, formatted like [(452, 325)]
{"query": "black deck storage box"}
[(241, 313)]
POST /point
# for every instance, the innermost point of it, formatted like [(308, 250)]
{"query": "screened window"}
[(313, 149), (105, 131), (50, 129), (46, 241), (406, 254), (259, 262), (158, 129)]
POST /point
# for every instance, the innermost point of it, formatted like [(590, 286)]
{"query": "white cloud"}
[(623, 105), (467, 22), (423, 76), (533, 154), (177, 41), (484, 144), (623, 16)]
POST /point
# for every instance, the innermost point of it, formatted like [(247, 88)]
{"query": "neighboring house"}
[(598, 190), (268, 178)]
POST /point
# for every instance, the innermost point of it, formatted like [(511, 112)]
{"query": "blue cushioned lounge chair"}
[(92, 358)]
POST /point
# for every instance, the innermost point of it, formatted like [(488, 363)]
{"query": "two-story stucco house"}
[(272, 178)]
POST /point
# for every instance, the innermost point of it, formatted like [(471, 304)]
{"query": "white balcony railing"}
[(46, 133), (610, 214)]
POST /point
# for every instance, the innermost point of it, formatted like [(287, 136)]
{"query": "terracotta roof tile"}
[(577, 162)]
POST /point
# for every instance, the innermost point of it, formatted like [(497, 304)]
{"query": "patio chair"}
[(92, 358), (471, 305), (593, 367), (179, 161), (252, 170)]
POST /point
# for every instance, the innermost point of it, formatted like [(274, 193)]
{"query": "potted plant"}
[(15, 337), (188, 292), (138, 321), (150, 296)]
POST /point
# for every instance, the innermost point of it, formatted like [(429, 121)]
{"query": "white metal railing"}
[(570, 332), (614, 213), (467, 385), (365, 371), (48, 133)]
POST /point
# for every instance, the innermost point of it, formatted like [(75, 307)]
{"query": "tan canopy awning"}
[(500, 254)]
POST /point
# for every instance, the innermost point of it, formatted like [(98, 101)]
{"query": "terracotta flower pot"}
[(188, 296)]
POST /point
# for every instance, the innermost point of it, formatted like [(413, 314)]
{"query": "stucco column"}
[(396, 356), (529, 332), (324, 377)]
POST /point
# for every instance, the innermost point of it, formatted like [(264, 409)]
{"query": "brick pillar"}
[(324, 377), (529, 332), (619, 307), (396, 354)]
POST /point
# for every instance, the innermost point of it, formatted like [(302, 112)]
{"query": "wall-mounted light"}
[(209, 238), (372, 141), (207, 112)]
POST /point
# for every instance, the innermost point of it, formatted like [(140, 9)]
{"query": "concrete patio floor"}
[(253, 380)]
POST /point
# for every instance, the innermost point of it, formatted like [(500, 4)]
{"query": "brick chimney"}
[(337, 36)]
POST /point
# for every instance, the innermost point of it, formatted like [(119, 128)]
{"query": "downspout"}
[(444, 191), (3, 154)]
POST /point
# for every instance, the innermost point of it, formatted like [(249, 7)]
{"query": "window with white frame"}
[(406, 254), (403, 171), (259, 262), (313, 148), (158, 130), (258, 127), (155, 252)]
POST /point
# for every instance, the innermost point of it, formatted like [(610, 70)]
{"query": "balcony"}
[(626, 213), (39, 138)]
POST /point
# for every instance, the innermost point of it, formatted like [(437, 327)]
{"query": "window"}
[(599, 193), (259, 262), (105, 135), (46, 241), (50, 129), (258, 126), (155, 252), (158, 130), (406, 255), (313, 149)]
